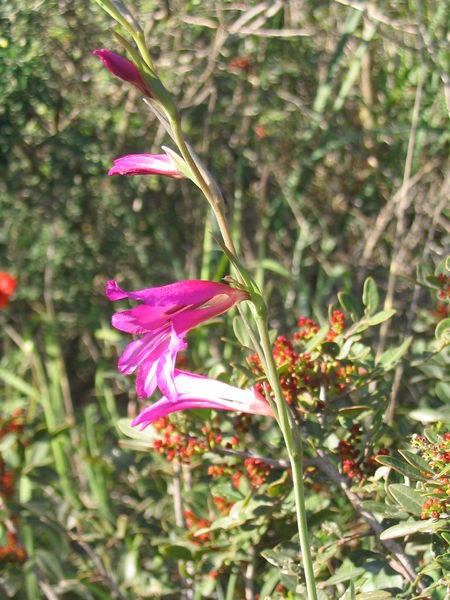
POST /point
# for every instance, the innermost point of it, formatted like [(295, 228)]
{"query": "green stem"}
[(283, 415), (295, 451), (215, 201)]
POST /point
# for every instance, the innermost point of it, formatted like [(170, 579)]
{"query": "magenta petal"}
[(145, 164), (124, 69), (113, 291), (181, 293), (140, 319), (149, 347), (146, 380), (196, 391)]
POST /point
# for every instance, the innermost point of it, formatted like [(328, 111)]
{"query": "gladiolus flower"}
[(145, 164), (7, 286), (124, 69), (165, 317), (196, 391)]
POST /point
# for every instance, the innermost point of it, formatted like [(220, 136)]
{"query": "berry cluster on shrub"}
[(356, 462), (437, 456), (302, 377), (11, 551)]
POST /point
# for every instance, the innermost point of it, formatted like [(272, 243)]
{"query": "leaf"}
[(431, 415), (401, 467), (345, 574), (392, 356), (431, 435), (240, 332), (180, 164), (370, 296), (349, 411), (379, 317), (375, 595), (416, 460), (317, 339), (177, 551), (148, 435), (350, 305), (274, 266), (407, 497), (408, 528), (442, 331), (17, 383), (344, 351)]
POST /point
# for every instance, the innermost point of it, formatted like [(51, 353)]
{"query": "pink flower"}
[(165, 317), (124, 69), (195, 391), (145, 164)]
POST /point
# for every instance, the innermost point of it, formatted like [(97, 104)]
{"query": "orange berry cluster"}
[(12, 552), (257, 470), (354, 463), (13, 424), (444, 293), (195, 523), (176, 445), (437, 455), (299, 373)]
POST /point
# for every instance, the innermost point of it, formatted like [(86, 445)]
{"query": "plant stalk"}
[(294, 447)]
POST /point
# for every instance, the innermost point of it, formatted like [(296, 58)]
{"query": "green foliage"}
[(305, 118)]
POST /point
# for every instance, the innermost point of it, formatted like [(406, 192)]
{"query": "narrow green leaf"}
[(370, 296), (392, 356), (350, 304), (147, 435), (410, 527), (401, 467), (375, 595), (317, 339), (416, 461), (431, 415), (442, 331), (407, 497), (380, 317), (240, 332)]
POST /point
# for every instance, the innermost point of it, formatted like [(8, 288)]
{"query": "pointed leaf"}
[(407, 497), (401, 467), (392, 356), (370, 296), (408, 528), (350, 305), (416, 461), (317, 339)]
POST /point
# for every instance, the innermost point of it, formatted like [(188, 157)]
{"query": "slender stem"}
[(295, 451), (214, 200), (283, 415)]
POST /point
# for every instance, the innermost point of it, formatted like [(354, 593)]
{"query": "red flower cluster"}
[(354, 462), (299, 373), (7, 286)]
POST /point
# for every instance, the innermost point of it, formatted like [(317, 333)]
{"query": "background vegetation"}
[(326, 124)]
